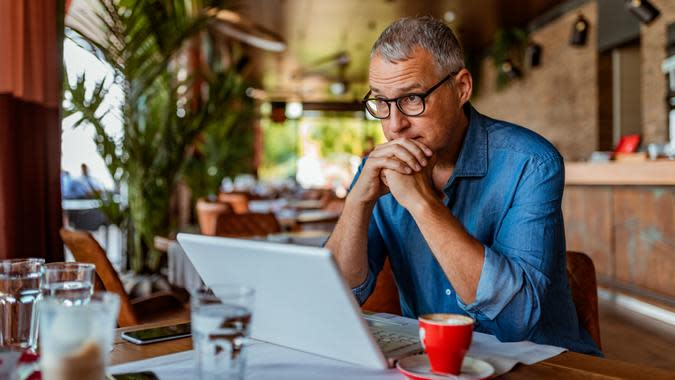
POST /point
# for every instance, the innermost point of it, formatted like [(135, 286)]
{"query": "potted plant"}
[(146, 42)]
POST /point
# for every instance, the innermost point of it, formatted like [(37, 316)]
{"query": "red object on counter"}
[(627, 144)]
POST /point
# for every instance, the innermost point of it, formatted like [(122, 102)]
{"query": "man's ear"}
[(464, 86)]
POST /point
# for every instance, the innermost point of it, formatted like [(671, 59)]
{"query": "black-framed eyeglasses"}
[(410, 104)]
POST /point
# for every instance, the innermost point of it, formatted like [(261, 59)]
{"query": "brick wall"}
[(558, 99), (653, 52)]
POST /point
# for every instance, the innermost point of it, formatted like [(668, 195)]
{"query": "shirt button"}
[(448, 292)]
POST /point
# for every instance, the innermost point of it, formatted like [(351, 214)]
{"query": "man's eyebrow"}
[(401, 90)]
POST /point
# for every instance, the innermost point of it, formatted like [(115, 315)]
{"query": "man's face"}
[(418, 74)]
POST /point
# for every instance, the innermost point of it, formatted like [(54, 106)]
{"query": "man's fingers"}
[(412, 152), (414, 159), (380, 163), (383, 178), (428, 152)]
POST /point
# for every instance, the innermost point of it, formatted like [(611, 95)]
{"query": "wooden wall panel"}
[(645, 237), (588, 227)]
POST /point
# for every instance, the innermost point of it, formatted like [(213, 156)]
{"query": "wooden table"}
[(568, 365)]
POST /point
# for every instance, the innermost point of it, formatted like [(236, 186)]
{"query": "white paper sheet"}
[(502, 356), (269, 361)]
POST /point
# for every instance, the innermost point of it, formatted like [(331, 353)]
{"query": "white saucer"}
[(417, 367)]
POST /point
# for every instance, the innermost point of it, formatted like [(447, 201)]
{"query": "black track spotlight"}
[(645, 11), (533, 54), (579, 31)]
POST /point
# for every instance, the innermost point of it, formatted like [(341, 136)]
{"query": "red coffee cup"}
[(446, 339)]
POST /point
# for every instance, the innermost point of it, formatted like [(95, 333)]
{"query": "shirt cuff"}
[(362, 291), (499, 283)]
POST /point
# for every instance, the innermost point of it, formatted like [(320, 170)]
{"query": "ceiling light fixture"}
[(338, 88), (533, 54), (235, 26), (293, 110)]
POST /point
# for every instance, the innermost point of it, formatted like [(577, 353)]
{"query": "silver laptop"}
[(301, 300)]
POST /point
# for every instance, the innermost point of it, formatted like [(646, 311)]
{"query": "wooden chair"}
[(384, 298), (208, 213), (581, 277), (238, 201), (580, 274), (158, 306), (247, 224)]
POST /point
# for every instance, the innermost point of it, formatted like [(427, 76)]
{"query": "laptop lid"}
[(301, 299)]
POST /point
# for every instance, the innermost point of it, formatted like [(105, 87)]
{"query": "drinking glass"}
[(19, 292), (76, 338), (72, 283), (221, 317)]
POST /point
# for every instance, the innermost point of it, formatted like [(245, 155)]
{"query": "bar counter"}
[(655, 173), (623, 216)]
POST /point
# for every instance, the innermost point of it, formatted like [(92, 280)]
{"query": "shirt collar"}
[(473, 156)]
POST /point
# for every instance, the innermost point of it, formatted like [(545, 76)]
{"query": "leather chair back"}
[(247, 224), (238, 201), (581, 277), (384, 298)]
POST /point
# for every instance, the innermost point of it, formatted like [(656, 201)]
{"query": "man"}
[(93, 187), (466, 208)]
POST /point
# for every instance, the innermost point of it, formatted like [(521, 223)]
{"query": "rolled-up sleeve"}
[(376, 254), (376, 257), (526, 253)]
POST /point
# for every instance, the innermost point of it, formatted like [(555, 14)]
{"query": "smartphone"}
[(157, 334), (145, 375)]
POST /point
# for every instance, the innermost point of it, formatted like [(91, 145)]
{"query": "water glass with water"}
[(221, 318), (76, 338), (19, 292), (72, 283)]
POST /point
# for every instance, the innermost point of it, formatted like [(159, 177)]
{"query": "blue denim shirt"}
[(506, 190)]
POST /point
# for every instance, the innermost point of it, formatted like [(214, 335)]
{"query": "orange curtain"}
[(31, 40)]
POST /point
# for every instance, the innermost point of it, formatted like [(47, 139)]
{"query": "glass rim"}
[(100, 297), (26, 259), (441, 318), (33, 266), (68, 265)]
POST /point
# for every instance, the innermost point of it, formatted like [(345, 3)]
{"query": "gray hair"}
[(397, 42)]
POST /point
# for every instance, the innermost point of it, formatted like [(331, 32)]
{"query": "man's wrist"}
[(352, 202), (424, 204)]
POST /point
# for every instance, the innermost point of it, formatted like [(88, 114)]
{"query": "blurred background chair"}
[(163, 305), (238, 201), (219, 219), (247, 224)]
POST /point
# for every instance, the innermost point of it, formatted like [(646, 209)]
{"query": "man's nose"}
[(397, 120)]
